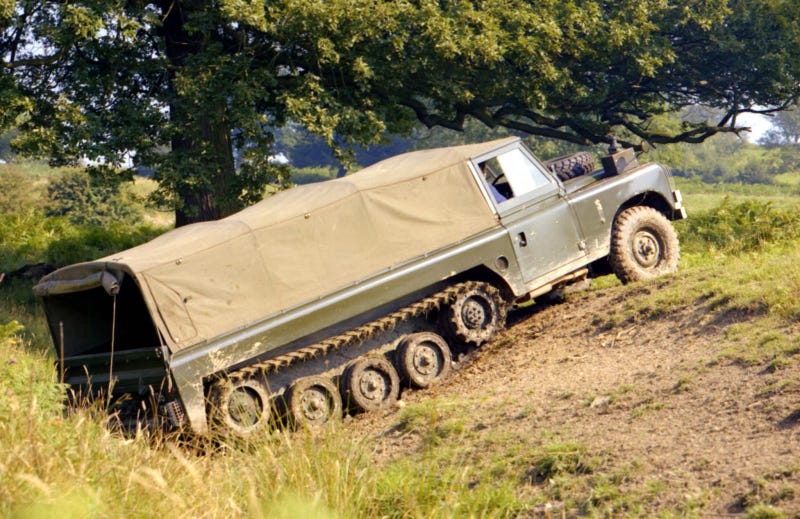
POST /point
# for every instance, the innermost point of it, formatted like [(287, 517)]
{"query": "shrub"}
[(18, 191), (28, 238), (88, 242), (86, 199), (745, 227)]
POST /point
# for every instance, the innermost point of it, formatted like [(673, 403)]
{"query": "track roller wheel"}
[(423, 359), (370, 383), (312, 402), (240, 408), (475, 316)]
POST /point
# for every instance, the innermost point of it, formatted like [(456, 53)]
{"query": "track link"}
[(351, 337)]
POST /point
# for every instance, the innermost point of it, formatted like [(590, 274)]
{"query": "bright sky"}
[(757, 122)]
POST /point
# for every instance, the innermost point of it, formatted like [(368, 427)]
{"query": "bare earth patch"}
[(658, 395)]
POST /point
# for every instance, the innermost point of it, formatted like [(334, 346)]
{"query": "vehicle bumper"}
[(679, 212)]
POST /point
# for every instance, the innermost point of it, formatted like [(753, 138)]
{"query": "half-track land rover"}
[(328, 298)]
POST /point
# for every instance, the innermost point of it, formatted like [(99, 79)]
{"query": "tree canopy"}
[(182, 84)]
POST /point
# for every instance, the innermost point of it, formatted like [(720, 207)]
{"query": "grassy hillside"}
[(488, 444)]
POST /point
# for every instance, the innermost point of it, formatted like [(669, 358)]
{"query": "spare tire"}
[(571, 166)]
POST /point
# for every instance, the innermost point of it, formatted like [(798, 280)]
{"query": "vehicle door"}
[(532, 207)]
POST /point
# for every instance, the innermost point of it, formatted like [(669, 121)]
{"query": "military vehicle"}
[(331, 296)]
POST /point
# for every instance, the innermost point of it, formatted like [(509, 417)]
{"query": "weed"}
[(761, 341), (683, 384), (644, 407), (612, 321), (558, 459), (29, 238), (434, 420), (767, 492), (762, 511), (781, 386)]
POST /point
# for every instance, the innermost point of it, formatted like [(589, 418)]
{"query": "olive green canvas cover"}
[(206, 279)]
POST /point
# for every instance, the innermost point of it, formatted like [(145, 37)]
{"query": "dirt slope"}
[(655, 394)]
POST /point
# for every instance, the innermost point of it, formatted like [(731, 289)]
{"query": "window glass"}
[(522, 174), (512, 174)]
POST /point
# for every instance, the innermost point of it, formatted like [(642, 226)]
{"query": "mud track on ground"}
[(655, 393)]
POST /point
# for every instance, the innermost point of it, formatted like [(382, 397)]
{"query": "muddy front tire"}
[(644, 245)]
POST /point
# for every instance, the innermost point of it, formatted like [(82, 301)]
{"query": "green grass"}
[(754, 297), (38, 169), (700, 197), (158, 217), (788, 179), (28, 238), (739, 227), (72, 465), (763, 499)]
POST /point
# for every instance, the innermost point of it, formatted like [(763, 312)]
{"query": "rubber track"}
[(351, 337)]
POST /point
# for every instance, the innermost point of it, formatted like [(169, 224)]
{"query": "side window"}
[(512, 174)]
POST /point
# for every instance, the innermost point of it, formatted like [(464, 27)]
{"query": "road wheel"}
[(571, 166), (475, 315), (423, 359), (644, 245), (370, 383), (312, 402), (240, 408)]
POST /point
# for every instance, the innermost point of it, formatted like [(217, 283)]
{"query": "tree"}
[(12, 101), (182, 83), (785, 128)]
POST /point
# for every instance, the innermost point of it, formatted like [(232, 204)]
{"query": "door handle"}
[(523, 241)]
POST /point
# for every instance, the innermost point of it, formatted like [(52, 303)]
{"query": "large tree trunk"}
[(220, 198), (217, 196), (197, 206)]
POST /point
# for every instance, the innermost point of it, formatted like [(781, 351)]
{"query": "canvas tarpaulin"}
[(205, 279)]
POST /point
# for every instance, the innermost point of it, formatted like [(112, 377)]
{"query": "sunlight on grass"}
[(788, 179), (699, 197), (73, 465)]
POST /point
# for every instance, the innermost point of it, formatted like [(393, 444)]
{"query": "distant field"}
[(699, 196), (789, 179), (42, 174), (142, 187), (34, 168)]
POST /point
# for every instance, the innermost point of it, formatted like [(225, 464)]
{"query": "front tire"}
[(644, 245)]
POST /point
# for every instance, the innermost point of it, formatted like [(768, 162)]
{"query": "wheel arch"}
[(653, 199), (488, 275)]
